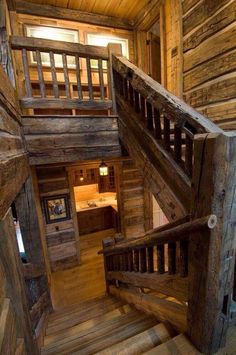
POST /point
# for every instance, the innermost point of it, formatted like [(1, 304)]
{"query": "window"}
[(103, 40), (53, 33)]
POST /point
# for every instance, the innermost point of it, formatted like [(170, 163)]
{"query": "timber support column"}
[(113, 49), (211, 253)]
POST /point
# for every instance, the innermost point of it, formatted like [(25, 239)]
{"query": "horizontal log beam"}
[(163, 309), (170, 285), (34, 125), (174, 234), (72, 15), (62, 103), (58, 47), (159, 97)]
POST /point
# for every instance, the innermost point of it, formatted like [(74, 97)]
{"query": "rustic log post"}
[(211, 261), (171, 258), (113, 49), (107, 242)]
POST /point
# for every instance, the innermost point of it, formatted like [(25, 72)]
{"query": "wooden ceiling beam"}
[(28, 8), (148, 16)]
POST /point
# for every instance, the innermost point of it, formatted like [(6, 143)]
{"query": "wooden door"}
[(154, 57)]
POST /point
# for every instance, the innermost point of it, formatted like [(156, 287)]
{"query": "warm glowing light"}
[(103, 169)]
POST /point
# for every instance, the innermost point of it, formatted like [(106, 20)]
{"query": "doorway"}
[(154, 51)]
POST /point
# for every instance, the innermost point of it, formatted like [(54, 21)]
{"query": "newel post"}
[(107, 242), (211, 252), (113, 49)]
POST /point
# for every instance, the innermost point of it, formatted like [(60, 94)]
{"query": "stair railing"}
[(172, 123), (63, 75), (158, 257)]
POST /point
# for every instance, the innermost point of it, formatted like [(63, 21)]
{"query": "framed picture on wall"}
[(56, 208)]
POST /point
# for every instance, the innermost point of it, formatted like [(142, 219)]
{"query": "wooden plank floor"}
[(83, 282)]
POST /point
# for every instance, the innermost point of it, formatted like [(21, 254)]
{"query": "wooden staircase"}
[(109, 326)]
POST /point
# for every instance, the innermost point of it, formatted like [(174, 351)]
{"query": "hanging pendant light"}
[(103, 169)]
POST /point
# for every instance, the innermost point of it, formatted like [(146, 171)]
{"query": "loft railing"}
[(63, 75), (170, 122)]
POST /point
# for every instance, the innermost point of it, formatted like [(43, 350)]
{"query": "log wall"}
[(61, 236), (209, 59)]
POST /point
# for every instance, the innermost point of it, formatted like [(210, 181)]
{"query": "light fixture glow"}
[(103, 169)]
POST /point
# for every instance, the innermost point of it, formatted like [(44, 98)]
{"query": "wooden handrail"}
[(58, 47), (172, 235), (160, 98)]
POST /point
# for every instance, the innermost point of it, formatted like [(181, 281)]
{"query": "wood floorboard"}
[(83, 282)]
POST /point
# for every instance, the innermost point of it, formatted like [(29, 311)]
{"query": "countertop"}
[(83, 205)]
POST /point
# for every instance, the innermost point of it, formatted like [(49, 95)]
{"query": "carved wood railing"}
[(77, 76), (158, 260), (172, 123)]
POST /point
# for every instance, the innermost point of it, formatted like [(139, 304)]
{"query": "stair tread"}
[(141, 342), (65, 310), (99, 330), (178, 345), (49, 339), (80, 317), (120, 334)]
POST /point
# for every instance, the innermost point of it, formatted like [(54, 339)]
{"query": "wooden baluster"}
[(131, 95), (136, 260), (171, 258), (189, 155), (130, 261), (121, 265), (28, 87), (101, 81), (157, 122), (66, 76), (143, 264), (150, 264), (89, 75), (149, 117), (126, 261), (142, 108), (166, 133), (111, 263), (136, 101), (183, 258), (177, 144), (54, 75), (160, 259), (125, 88), (78, 76), (40, 74)]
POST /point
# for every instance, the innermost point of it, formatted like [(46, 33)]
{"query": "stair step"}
[(75, 342), (20, 347), (141, 342), (49, 339), (178, 345), (120, 334), (81, 316), (79, 306)]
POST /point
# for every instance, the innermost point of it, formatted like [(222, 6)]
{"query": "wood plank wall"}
[(209, 59), (61, 237), (132, 200), (15, 323)]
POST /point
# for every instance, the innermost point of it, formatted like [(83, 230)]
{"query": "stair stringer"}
[(167, 196)]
